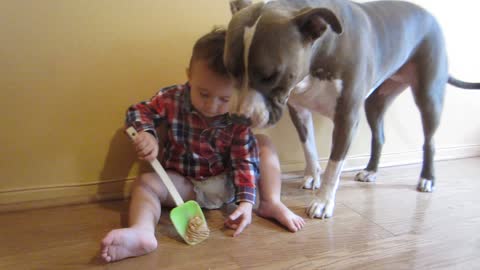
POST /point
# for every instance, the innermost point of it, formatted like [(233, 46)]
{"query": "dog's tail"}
[(461, 84)]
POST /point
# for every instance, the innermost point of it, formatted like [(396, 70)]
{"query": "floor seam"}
[(370, 220)]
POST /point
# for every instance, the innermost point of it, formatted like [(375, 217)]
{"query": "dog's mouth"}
[(256, 110), (275, 108)]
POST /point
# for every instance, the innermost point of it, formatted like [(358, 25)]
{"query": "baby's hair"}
[(210, 49)]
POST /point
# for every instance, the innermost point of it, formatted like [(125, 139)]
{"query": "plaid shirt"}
[(195, 148)]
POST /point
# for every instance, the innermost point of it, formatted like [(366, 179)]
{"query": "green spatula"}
[(184, 211)]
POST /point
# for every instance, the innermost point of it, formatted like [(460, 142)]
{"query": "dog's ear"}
[(237, 5), (313, 22)]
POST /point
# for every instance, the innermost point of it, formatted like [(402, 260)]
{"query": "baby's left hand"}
[(240, 218)]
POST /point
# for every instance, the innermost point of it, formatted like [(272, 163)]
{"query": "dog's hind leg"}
[(428, 93), (302, 120), (429, 100), (375, 108)]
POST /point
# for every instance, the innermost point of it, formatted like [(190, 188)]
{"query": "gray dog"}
[(333, 57)]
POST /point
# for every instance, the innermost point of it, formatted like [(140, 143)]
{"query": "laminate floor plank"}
[(382, 225)]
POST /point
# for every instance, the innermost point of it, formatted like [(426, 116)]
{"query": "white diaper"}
[(214, 192)]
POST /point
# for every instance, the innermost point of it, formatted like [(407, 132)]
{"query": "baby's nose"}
[(212, 106)]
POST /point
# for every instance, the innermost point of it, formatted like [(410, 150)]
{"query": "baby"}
[(209, 157)]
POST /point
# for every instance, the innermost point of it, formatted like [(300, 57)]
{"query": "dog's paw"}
[(366, 176), (425, 185), (309, 182), (320, 208)]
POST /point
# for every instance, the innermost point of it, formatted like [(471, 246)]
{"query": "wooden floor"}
[(386, 225)]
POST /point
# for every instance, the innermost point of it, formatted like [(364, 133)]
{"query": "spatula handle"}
[(161, 172)]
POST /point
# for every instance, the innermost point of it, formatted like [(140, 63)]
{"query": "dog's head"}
[(268, 50)]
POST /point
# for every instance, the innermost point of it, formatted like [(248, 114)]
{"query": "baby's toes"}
[(299, 223)]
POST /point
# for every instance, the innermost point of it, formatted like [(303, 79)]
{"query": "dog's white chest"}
[(316, 95)]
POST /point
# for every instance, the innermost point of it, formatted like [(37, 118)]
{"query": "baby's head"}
[(211, 86)]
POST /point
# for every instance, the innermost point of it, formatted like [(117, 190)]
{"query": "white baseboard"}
[(359, 162), (46, 196)]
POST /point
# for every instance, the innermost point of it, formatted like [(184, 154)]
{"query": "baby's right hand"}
[(146, 146)]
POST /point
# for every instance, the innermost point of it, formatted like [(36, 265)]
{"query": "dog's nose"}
[(241, 119)]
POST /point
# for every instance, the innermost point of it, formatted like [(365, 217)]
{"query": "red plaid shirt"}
[(195, 148)]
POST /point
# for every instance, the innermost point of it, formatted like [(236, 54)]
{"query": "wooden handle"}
[(132, 133)]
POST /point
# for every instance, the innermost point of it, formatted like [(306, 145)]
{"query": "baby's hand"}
[(146, 146), (240, 218)]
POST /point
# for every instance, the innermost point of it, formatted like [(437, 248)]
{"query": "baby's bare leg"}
[(270, 186), (148, 195)]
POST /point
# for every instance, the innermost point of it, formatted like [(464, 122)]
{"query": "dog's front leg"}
[(346, 122), (302, 120)]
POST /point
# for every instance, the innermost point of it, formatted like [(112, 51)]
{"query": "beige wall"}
[(69, 70)]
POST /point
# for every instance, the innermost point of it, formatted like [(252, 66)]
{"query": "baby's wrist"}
[(246, 204), (150, 132)]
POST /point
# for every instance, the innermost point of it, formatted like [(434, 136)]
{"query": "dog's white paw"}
[(309, 182), (366, 176), (320, 208), (425, 185)]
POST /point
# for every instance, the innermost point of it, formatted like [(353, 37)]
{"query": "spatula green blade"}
[(181, 214)]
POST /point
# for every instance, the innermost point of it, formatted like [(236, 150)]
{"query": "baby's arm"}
[(144, 117), (245, 165)]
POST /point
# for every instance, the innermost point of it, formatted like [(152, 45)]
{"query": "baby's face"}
[(210, 92)]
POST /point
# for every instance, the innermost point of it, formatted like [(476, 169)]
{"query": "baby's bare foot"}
[(279, 212), (128, 242)]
